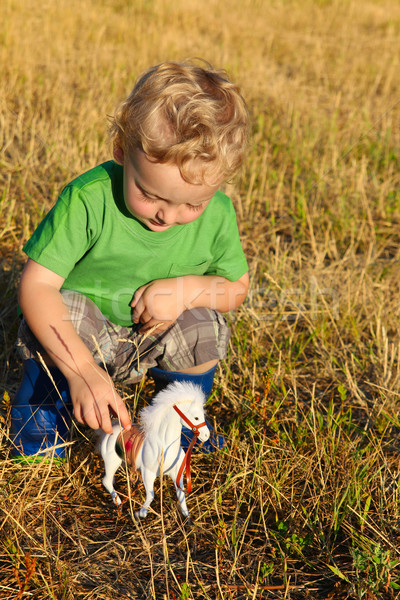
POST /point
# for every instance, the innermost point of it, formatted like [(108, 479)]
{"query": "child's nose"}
[(167, 214)]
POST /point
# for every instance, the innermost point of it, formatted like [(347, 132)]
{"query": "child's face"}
[(156, 194)]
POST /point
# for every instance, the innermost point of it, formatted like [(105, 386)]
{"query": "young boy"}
[(133, 266)]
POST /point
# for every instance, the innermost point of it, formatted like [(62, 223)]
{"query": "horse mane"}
[(178, 392)]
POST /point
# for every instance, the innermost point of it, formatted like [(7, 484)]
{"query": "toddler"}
[(134, 264)]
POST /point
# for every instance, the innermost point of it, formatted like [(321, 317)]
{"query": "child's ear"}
[(118, 154)]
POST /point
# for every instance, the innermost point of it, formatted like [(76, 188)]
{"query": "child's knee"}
[(198, 337)]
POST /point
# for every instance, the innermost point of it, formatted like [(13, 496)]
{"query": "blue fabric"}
[(163, 378), (38, 412), (205, 381)]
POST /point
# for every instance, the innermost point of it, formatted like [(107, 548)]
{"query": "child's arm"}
[(159, 303), (92, 390)]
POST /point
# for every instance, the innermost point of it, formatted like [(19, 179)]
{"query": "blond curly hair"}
[(186, 114)]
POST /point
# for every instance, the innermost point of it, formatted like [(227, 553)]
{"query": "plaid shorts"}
[(197, 336)]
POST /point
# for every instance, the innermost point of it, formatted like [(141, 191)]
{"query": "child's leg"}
[(204, 379), (193, 345), (40, 412)]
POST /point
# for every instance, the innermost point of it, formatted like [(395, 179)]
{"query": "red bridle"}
[(186, 460)]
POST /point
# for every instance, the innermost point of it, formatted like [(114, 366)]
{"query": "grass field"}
[(305, 502)]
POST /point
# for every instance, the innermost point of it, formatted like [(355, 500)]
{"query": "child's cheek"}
[(190, 215), (140, 208)]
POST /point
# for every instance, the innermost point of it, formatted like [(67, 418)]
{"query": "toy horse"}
[(155, 440)]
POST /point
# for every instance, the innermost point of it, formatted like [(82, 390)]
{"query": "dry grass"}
[(305, 503)]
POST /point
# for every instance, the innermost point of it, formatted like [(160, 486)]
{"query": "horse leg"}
[(182, 501), (112, 462), (148, 478), (173, 473)]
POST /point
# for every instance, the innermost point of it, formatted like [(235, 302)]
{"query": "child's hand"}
[(158, 304), (93, 395)]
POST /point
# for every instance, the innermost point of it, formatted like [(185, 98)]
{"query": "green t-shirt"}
[(91, 239)]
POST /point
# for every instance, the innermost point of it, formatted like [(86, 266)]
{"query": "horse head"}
[(188, 400), (192, 417)]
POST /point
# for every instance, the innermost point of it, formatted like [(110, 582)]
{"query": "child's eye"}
[(146, 196), (195, 206)]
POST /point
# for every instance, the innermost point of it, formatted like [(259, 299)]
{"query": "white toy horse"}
[(156, 439)]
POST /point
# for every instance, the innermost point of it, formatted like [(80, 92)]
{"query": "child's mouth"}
[(157, 223)]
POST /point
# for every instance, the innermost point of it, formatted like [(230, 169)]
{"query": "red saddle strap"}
[(132, 440), (186, 459)]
